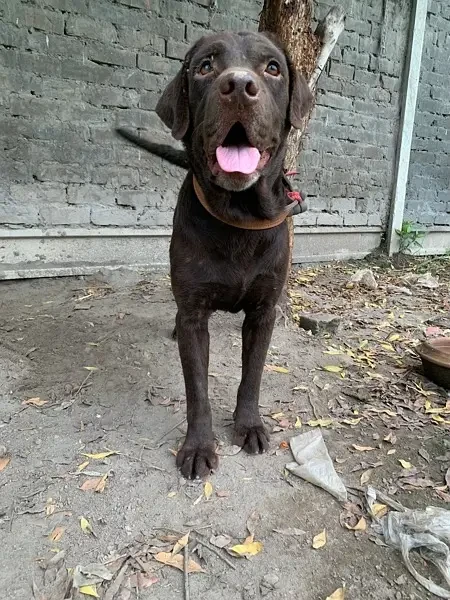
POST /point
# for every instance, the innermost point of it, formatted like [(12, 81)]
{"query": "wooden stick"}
[(214, 551), (328, 31), (187, 593)]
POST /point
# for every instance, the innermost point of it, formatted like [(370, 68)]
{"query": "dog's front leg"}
[(250, 432), (197, 457)]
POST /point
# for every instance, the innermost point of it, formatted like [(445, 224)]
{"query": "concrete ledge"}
[(324, 244), (29, 253), (435, 242)]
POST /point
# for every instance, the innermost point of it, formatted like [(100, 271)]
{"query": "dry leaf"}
[(365, 477), (181, 543), (34, 402), (56, 534), (248, 548), (405, 464), (220, 541), (361, 525), (320, 423), (82, 466), (91, 368), (89, 590), (4, 462), (394, 337), (352, 421), (253, 522), (86, 526), (177, 561), (97, 484), (100, 455), (298, 423), (172, 494), (319, 540), (208, 490), (332, 368), (276, 369), (337, 595), (391, 451), (391, 438), (379, 510), (363, 448)]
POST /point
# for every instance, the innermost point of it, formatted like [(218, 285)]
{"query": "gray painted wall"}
[(428, 193), (71, 70)]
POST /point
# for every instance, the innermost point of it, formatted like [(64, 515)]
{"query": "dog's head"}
[(232, 103)]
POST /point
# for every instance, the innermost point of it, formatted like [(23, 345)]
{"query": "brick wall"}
[(428, 195), (71, 70)]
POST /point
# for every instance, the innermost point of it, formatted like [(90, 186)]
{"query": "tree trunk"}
[(290, 21)]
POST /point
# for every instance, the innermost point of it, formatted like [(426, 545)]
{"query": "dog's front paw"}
[(253, 439), (196, 461)]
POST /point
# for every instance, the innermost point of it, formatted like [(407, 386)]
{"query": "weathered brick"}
[(35, 17), (64, 215), (442, 219), (185, 11), (38, 193), (49, 171), (149, 100), (17, 214), (355, 219), (91, 29), (136, 199), (115, 176), (351, 57), (105, 54), (90, 195), (142, 40), (113, 216), (157, 64), (367, 77), (341, 71), (176, 49), (110, 96), (330, 219)]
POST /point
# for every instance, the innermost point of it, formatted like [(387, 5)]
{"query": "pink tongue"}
[(240, 159)]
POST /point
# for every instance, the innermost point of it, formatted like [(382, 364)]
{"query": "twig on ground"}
[(170, 430), (115, 586), (214, 551), (187, 594), (81, 386), (316, 416)]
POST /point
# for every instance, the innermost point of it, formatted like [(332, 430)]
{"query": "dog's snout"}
[(239, 85)]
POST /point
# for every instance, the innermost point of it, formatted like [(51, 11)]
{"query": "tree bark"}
[(290, 21)]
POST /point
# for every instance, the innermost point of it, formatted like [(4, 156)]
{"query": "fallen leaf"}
[(91, 368), (97, 484), (172, 494), (177, 561), (34, 402), (363, 448), (391, 451), (394, 337), (352, 421), (378, 510), (223, 494), (253, 522), (100, 455), (181, 543), (365, 477), (277, 416), (443, 495), (332, 368), (284, 445), (298, 423), (361, 525), (337, 595), (56, 534), (424, 454), (208, 490), (391, 438), (320, 423), (4, 462), (276, 369), (319, 540), (82, 466), (220, 541), (293, 531), (86, 526), (248, 548), (89, 590), (405, 464)]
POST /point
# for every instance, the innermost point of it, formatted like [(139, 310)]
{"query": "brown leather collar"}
[(255, 224)]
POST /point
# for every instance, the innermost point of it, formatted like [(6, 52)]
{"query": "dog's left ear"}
[(173, 106), (300, 96)]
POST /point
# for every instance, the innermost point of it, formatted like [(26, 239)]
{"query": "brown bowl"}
[(435, 355)]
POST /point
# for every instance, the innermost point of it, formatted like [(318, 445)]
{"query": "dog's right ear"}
[(173, 106)]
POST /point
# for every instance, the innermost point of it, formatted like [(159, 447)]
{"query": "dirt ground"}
[(96, 353)]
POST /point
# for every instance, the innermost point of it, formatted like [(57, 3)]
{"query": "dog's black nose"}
[(239, 85)]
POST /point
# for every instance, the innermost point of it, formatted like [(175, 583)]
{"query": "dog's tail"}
[(172, 155)]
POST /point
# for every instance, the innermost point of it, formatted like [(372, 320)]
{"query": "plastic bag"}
[(314, 463), (425, 530)]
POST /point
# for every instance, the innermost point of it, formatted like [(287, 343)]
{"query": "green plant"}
[(410, 237)]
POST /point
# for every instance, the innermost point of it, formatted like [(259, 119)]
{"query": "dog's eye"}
[(206, 67), (273, 68)]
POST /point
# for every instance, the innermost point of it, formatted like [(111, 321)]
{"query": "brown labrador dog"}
[(232, 104)]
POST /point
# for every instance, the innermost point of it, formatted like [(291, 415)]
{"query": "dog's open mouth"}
[(237, 155)]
